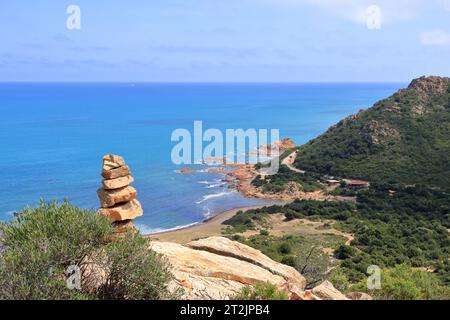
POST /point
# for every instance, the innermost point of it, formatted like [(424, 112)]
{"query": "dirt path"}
[(289, 161)]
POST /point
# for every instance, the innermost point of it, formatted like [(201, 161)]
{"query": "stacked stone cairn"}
[(117, 198)]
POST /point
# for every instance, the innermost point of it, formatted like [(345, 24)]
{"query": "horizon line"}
[(204, 82)]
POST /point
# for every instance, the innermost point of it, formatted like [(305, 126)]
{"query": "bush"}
[(340, 280), (40, 244), (135, 272), (285, 248), (405, 283), (313, 264), (261, 291), (277, 183), (289, 260)]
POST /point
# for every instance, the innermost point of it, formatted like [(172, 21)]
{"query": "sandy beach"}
[(208, 228)]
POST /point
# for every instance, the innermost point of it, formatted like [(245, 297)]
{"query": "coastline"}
[(240, 179), (208, 228)]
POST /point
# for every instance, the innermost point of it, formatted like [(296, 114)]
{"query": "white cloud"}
[(435, 38)]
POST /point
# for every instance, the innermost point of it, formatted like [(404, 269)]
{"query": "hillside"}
[(404, 138)]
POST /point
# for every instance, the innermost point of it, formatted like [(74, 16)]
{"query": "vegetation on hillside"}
[(277, 183), (44, 249), (261, 291), (401, 145), (392, 225), (405, 283), (404, 138)]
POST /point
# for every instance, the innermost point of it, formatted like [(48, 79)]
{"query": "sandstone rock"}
[(226, 247), (127, 211), (93, 274), (205, 288), (114, 158), (326, 291), (309, 296), (112, 161), (218, 271), (108, 165), (112, 184), (186, 171), (123, 226), (292, 188), (358, 296), (109, 198), (122, 171)]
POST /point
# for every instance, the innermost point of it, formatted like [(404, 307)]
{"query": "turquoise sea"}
[(53, 137)]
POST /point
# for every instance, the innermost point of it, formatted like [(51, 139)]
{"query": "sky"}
[(224, 40)]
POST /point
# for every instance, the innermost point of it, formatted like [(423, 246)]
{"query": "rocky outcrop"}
[(326, 291), (225, 247), (376, 132), (117, 197), (218, 268)]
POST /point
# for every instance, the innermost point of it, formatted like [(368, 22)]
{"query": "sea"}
[(53, 137)]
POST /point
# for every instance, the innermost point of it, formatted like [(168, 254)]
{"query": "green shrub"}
[(277, 183), (135, 272), (261, 291), (285, 248), (40, 244), (313, 264), (289, 260), (405, 283), (339, 279)]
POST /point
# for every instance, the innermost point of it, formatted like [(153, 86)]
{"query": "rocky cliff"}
[(217, 268)]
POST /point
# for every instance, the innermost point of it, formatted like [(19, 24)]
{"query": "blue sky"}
[(224, 41)]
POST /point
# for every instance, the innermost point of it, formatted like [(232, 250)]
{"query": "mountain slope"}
[(404, 138)]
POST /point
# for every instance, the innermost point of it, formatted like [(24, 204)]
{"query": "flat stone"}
[(112, 184), (123, 226), (109, 198), (108, 165), (114, 158), (119, 172), (112, 161), (126, 211)]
